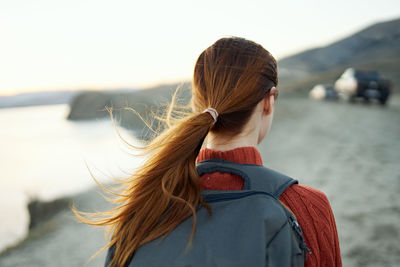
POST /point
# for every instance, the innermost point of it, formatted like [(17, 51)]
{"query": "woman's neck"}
[(225, 143), (251, 134)]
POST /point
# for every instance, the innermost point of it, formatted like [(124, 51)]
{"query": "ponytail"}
[(161, 194)]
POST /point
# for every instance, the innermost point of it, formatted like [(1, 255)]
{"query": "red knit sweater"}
[(310, 206)]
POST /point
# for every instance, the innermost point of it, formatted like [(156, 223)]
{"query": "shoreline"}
[(40, 213), (62, 228), (47, 157)]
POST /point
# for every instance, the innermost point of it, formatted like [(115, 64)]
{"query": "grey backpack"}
[(248, 227)]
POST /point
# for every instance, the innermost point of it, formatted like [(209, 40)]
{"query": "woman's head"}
[(232, 76)]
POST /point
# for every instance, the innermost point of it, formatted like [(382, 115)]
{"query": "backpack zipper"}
[(296, 227)]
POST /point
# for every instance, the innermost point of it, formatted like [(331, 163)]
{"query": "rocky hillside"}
[(94, 104), (376, 47)]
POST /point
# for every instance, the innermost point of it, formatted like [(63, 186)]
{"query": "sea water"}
[(45, 156)]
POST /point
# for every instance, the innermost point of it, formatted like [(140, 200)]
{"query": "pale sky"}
[(75, 44)]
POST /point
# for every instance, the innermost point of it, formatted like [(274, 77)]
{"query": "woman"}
[(234, 93)]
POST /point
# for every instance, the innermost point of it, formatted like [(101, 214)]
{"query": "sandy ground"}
[(350, 152)]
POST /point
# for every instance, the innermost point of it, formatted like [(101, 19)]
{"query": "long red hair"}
[(231, 76)]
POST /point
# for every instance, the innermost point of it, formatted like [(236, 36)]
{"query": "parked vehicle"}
[(367, 85)]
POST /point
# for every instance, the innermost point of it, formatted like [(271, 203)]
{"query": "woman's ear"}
[(269, 101)]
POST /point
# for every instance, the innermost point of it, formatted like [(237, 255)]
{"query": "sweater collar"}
[(242, 155)]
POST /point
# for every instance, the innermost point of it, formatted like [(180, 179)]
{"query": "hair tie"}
[(213, 113)]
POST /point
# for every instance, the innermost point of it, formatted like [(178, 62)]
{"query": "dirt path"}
[(350, 152)]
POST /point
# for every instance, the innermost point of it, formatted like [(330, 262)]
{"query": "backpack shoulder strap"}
[(256, 177)]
